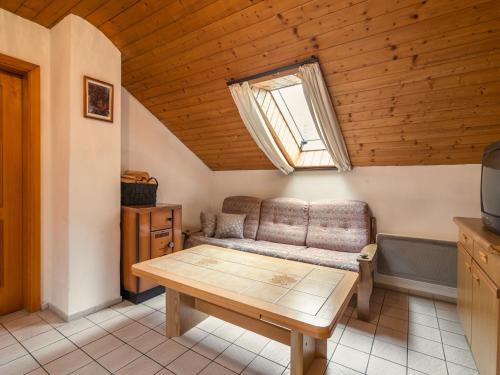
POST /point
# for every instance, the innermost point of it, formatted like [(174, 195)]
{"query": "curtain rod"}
[(312, 59)]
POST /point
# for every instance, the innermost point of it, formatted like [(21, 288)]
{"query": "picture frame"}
[(98, 99)]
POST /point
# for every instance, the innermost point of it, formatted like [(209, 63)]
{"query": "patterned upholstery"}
[(328, 258), (339, 225), (283, 220), (229, 225), (208, 223), (249, 206)]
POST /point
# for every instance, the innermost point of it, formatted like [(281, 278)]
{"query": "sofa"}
[(338, 234)]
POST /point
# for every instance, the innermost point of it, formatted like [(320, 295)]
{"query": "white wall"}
[(148, 145), (30, 42), (417, 200), (87, 239)]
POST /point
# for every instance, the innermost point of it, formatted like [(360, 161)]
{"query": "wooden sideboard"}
[(478, 292), (147, 232)]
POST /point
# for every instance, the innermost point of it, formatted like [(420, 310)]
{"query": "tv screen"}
[(490, 187)]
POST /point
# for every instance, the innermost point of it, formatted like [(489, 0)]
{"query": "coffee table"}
[(297, 304)]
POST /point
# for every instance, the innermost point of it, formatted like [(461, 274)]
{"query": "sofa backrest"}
[(245, 205), (283, 220), (339, 225)]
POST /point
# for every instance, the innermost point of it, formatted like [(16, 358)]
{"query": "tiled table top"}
[(407, 335)]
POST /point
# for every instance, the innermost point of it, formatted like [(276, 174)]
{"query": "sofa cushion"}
[(249, 206), (328, 258), (277, 250), (283, 220), (339, 225)]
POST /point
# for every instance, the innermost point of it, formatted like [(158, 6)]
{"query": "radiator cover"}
[(431, 261)]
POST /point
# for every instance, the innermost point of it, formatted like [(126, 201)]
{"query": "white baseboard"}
[(85, 312), (420, 288)]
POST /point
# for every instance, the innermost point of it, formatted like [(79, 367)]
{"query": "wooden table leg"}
[(307, 352), (181, 313)]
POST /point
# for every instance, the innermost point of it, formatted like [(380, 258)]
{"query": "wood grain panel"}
[(413, 82)]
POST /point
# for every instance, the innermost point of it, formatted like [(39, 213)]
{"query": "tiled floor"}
[(407, 335)]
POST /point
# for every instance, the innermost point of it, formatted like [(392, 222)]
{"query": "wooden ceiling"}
[(413, 81)]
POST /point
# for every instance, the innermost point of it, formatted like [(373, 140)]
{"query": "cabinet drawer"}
[(161, 219), (488, 261), (466, 240), (159, 243)]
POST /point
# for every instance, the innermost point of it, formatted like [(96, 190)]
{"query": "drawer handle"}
[(483, 257), (169, 219)]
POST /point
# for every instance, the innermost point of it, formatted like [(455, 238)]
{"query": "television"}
[(490, 187)]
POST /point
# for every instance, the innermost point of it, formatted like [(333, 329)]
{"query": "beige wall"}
[(417, 201), (148, 145)]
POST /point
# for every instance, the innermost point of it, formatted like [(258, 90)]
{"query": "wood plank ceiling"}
[(413, 81)]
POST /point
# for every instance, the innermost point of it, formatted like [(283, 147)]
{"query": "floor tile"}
[(426, 364), (235, 358), (228, 332), (449, 326), (425, 346), (393, 323), (20, 322), (211, 346), (425, 332), (277, 352), (189, 363), (361, 327), (191, 337), (31, 330), (13, 316), (116, 323), (20, 365), (210, 324), (394, 312), (336, 369), (68, 363), (7, 340), (118, 358), (459, 356), (50, 317), (351, 358), (147, 341), (157, 302), (377, 366), (53, 351), (102, 346), (131, 331), (123, 306), (88, 335), (394, 353), (75, 326), (357, 341), (42, 340), (167, 352), (153, 320), (454, 369), (11, 352), (93, 368), (263, 366), (102, 315), (453, 339), (252, 341), (426, 320), (142, 365), (216, 369), (139, 312), (391, 336), (38, 371)]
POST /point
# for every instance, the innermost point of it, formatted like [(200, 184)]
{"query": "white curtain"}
[(258, 125), (325, 119)]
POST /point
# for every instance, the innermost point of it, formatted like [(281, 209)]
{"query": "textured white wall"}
[(148, 145), (416, 200)]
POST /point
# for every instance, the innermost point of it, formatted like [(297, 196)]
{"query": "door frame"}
[(31, 175)]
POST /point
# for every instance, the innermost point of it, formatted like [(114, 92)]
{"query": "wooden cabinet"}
[(478, 292), (147, 232)]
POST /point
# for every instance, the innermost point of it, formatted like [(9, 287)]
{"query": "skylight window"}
[(291, 123), (293, 107)]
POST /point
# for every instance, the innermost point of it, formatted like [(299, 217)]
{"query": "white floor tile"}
[(142, 365), (53, 351), (189, 363), (75, 326), (425, 332), (216, 369), (21, 365), (390, 352), (102, 346), (454, 369), (7, 340), (167, 352), (453, 339), (68, 363), (235, 358), (210, 324), (118, 358), (426, 364), (87, 336), (351, 358), (93, 368), (252, 341), (459, 356), (153, 320), (425, 346), (139, 312), (391, 336), (263, 366), (42, 340), (336, 369), (357, 341), (11, 353), (147, 341), (191, 337), (131, 331), (116, 323), (277, 352), (211, 346), (228, 332), (102, 315), (377, 366)]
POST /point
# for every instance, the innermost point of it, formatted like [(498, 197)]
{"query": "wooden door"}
[(464, 290), (485, 310), (11, 288)]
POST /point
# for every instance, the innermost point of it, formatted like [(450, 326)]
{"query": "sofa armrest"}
[(368, 253)]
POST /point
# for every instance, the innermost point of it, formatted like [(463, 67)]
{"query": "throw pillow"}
[(208, 223), (229, 226)]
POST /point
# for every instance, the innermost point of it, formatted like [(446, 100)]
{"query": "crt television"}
[(490, 187)]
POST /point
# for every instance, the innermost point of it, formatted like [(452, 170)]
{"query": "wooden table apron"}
[(294, 303)]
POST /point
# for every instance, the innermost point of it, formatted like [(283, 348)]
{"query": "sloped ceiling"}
[(413, 82)]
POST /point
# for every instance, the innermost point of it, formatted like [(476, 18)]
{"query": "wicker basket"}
[(136, 193)]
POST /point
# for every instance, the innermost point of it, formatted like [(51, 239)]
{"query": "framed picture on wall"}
[(97, 99)]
